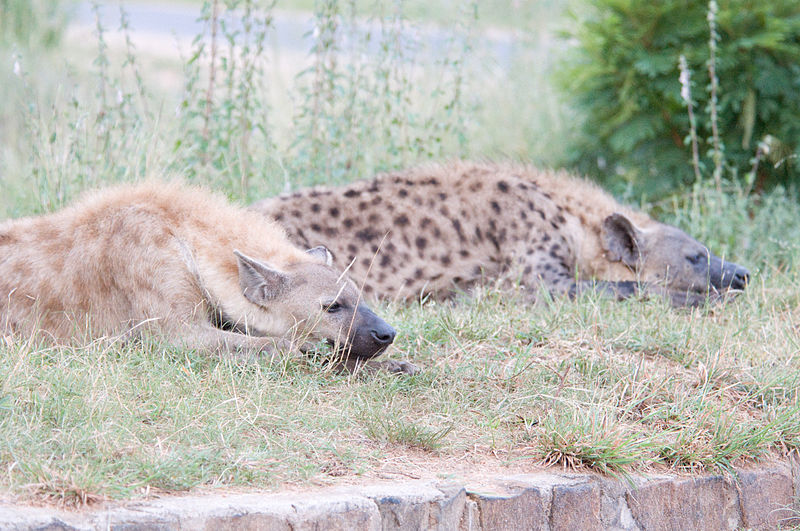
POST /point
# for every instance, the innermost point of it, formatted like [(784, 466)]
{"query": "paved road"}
[(291, 30)]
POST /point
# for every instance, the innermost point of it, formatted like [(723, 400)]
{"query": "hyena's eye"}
[(332, 307), (698, 258)]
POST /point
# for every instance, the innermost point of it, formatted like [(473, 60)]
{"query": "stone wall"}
[(760, 498)]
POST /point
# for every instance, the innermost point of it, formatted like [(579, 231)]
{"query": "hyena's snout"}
[(371, 335), (728, 275)]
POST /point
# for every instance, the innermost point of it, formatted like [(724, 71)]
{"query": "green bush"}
[(624, 76)]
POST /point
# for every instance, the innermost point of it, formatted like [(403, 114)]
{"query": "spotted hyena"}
[(439, 227), (180, 262)]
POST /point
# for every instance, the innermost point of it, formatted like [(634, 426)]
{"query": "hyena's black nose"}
[(741, 279), (383, 335)]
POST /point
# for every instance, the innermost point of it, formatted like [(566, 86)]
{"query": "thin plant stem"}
[(211, 79), (686, 94), (714, 87)]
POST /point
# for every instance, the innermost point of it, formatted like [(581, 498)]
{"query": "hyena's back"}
[(119, 256)]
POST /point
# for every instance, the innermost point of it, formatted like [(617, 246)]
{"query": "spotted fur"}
[(434, 228), (179, 262)]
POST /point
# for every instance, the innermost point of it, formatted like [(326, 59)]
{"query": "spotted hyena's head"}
[(667, 255), (317, 301)]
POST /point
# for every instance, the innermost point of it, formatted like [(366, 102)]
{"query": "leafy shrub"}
[(624, 75)]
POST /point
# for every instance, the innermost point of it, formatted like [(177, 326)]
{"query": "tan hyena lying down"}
[(181, 263), (429, 229)]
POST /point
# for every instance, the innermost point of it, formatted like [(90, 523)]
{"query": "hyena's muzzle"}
[(368, 336), (724, 275)]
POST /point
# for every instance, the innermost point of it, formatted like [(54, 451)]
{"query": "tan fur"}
[(159, 257), (430, 228)]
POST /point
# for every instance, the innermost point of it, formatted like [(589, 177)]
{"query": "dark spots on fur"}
[(386, 259), (373, 218), (522, 186), (367, 234), (366, 262), (527, 270), (425, 223), (401, 220), (331, 232), (418, 273), (541, 214), (560, 219), (464, 253), (374, 249), (315, 208), (457, 226), (477, 270), (362, 205), (334, 212), (421, 243), (446, 260), (502, 186), (523, 215), (442, 196), (402, 192), (437, 233), (444, 211), (514, 225), (381, 276), (295, 213), (554, 224), (495, 206), (348, 223), (545, 237), (431, 182), (475, 186), (377, 200), (418, 200), (279, 217), (555, 251), (390, 247), (502, 235), (316, 227), (352, 193), (368, 288), (352, 248), (478, 234)]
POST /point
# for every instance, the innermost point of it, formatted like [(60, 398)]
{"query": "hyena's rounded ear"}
[(621, 240), (322, 254), (259, 282)]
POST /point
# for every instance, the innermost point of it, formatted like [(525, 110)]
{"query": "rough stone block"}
[(766, 497), (417, 505), (335, 513), (512, 508), (576, 507), (709, 503)]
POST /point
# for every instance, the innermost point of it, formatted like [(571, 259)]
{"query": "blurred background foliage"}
[(588, 84), (622, 74)]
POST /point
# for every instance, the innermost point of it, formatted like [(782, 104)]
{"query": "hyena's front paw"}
[(401, 367)]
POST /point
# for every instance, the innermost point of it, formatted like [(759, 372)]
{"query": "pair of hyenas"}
[(176, 261)]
